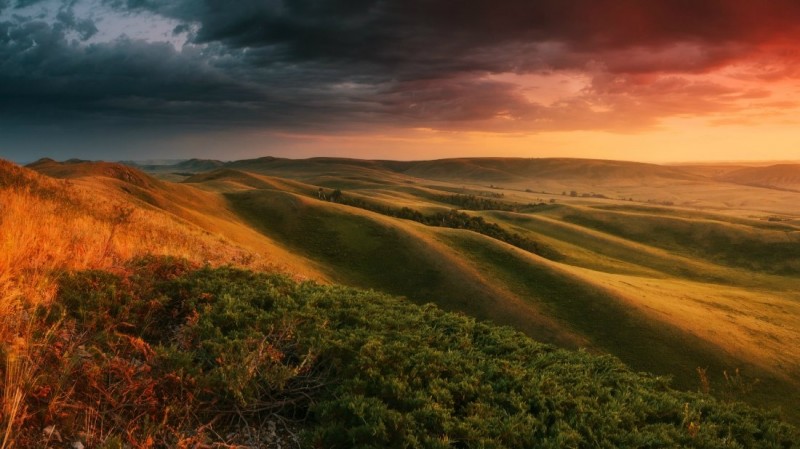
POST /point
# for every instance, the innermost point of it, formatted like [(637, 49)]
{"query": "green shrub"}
[(170, 349)]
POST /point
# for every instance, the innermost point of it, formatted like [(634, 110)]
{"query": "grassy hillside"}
[(698, 187), (198, 210), (676, 274), (708, 297), (571, 300), (366, 249), (515, 170), (171, 356), (595, 313), (780, 176), (739, 245), (52, 225)]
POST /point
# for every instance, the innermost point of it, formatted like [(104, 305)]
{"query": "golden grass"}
[(760, 326), (48, 227), (17, 365), (43, 236)]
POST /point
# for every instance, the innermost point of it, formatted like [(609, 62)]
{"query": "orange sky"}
[(656, 80)]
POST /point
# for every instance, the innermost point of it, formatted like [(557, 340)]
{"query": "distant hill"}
[(187, 166), (710, 171), (511, 172), (461, 169), (75, 168), (328, 172), (781, 176), (516, 170)]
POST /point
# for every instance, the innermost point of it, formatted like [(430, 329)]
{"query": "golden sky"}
[(656, 80)]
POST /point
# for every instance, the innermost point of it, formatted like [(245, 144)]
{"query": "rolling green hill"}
[(699, 187), (596, 237), (667, 289)]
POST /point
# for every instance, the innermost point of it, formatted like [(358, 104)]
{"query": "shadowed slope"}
[(781, 176), (365, 249), (595, 312), (464, 271)]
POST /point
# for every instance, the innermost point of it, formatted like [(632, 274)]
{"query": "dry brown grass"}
[(67, 227), (49, 227)]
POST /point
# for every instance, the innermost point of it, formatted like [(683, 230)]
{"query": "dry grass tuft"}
[(49, 227)]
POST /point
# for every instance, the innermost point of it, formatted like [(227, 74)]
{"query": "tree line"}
[(456, 220)]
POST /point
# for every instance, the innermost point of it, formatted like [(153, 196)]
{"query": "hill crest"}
[(74, 169), (778, 176)]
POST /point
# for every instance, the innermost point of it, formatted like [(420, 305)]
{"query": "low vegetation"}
[(458, 220), (169, 354), (473, 202), (51, 227)]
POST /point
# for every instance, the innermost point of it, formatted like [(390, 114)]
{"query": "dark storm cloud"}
[(336, 64), (45, 75), (404, 34)]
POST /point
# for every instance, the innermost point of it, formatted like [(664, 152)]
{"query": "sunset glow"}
[(658, 81)]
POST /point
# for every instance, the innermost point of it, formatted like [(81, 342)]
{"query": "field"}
[(687, 272)]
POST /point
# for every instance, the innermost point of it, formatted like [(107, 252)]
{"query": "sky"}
[(655, 80)]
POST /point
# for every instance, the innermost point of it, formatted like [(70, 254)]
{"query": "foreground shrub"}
[(171, 355)]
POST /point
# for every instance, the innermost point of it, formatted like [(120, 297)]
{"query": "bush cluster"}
[(458, 220), (170, 355)]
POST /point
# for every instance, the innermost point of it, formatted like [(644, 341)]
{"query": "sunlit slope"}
[(589, 248), (702, 187), (584, 307), (365, 249), (667, 289), (129, 188), (51, 225), (329, 172), (702, 247), (465, 271), (755, 246), (230, 180), (744, 308)]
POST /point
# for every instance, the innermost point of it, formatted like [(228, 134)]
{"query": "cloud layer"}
[(333, 66)]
